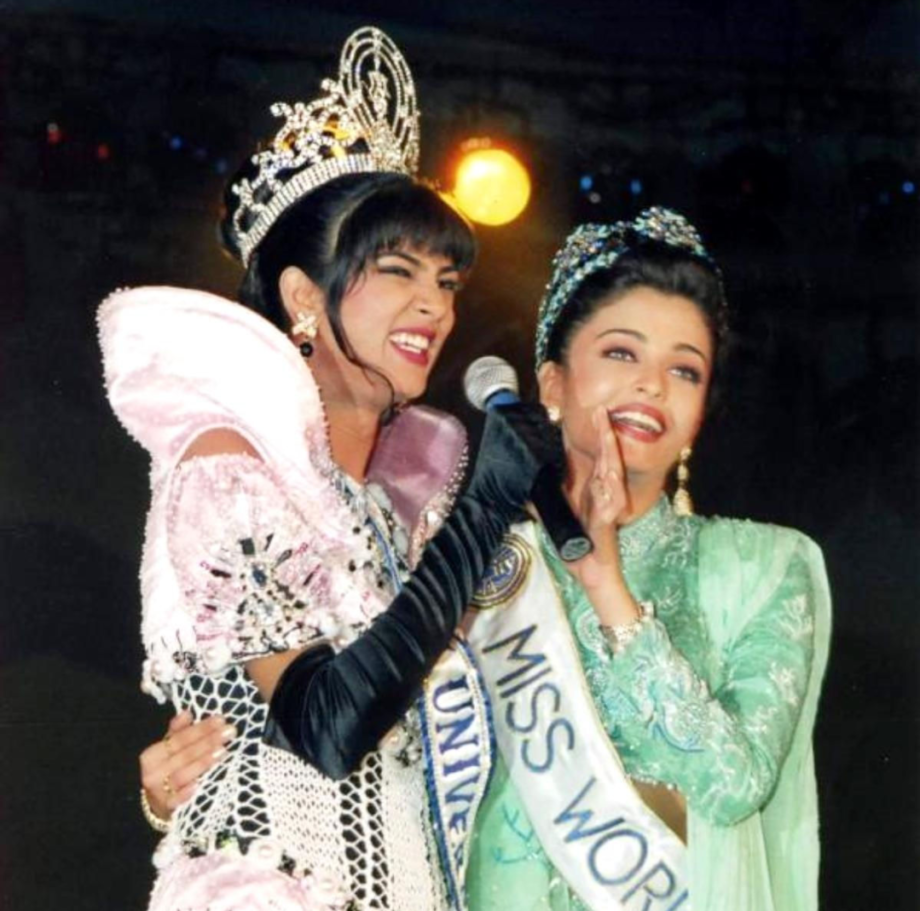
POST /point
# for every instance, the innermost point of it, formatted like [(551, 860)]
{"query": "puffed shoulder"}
[(268, 572), (178, 362)]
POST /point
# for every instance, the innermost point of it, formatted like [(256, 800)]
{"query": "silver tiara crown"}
[(366, 121)]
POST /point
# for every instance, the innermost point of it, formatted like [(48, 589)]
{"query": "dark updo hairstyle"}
[(664, 267), (334, 231)]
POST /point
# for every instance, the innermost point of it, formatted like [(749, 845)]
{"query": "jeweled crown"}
[(592, 247), (366, 121)]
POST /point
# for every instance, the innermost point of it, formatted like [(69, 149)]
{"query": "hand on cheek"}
[(604, 501)]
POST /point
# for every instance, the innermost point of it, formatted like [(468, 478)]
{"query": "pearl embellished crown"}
[(366, 121)]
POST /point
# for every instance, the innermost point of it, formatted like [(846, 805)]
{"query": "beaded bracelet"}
[(158, 825), (619, 636)]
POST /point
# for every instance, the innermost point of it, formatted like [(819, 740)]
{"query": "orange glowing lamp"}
[(492, 187)]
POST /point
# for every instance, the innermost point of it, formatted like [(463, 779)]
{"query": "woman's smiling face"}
[(398, 314), (646, 357)]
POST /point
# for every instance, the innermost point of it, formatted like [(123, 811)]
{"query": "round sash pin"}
[(506, 574)]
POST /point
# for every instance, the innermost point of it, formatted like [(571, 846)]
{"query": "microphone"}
[(490, 381)]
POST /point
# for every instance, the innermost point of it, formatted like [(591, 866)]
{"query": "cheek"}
[(449, 321), (581, 395), (692, 410), (576, 383), (363, 321), (597, 384)]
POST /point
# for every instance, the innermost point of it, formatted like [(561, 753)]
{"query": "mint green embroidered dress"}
[(715, 697)]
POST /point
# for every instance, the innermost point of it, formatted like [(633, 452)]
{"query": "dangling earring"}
[(554, 414), (307, 325), (682, 503)]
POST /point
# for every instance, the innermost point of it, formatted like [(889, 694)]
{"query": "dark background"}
[(787, 131)]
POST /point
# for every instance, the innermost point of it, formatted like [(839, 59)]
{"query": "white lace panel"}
[(368, 832), (230, 798)]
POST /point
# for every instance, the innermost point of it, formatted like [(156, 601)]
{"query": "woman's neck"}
[(352, 437), (643, 493), (352, 415)]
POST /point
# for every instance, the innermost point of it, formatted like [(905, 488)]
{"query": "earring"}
[(681, 502), (307, 325), (554, 414)]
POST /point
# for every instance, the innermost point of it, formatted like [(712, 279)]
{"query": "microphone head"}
[(486, 376)]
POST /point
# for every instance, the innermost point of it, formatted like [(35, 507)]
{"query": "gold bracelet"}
[(619, 636), (158, 825)]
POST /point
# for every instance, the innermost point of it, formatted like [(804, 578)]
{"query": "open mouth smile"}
[(413, 345), (639, 422)]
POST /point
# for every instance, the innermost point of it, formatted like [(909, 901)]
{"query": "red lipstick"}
[(414, 344), (638, 421)]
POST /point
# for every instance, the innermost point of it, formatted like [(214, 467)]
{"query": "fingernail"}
[(228, 733), (219, 753)]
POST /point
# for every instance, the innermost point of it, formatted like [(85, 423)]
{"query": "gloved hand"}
[(518, 444), (332, 709)]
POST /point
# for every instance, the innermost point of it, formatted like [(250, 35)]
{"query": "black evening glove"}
[(518, 443), (332, 709)]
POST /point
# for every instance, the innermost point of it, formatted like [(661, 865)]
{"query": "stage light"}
[(908, 187), (54, 134), (635, 186), (586, 182), (492, 187)]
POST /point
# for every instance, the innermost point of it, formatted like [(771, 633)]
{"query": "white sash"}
[(457, 734), (459, 747), (610, 848)]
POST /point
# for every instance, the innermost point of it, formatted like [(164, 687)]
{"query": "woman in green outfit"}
[(654, 702), (693, 647)]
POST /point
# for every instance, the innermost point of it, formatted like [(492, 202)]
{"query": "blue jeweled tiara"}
[(592, 247)]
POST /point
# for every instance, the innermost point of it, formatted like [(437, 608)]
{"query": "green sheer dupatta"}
[(769, 861)]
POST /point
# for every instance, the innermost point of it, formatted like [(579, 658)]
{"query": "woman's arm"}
[(722, 749), (332, 708), (329, 706)]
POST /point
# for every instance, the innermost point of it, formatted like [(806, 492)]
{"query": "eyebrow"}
[(414, 260), (680, 346)]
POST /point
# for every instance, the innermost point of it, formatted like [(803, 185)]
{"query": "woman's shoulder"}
[(235, 494), (757, 555), (747, 566), (750, 537)]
